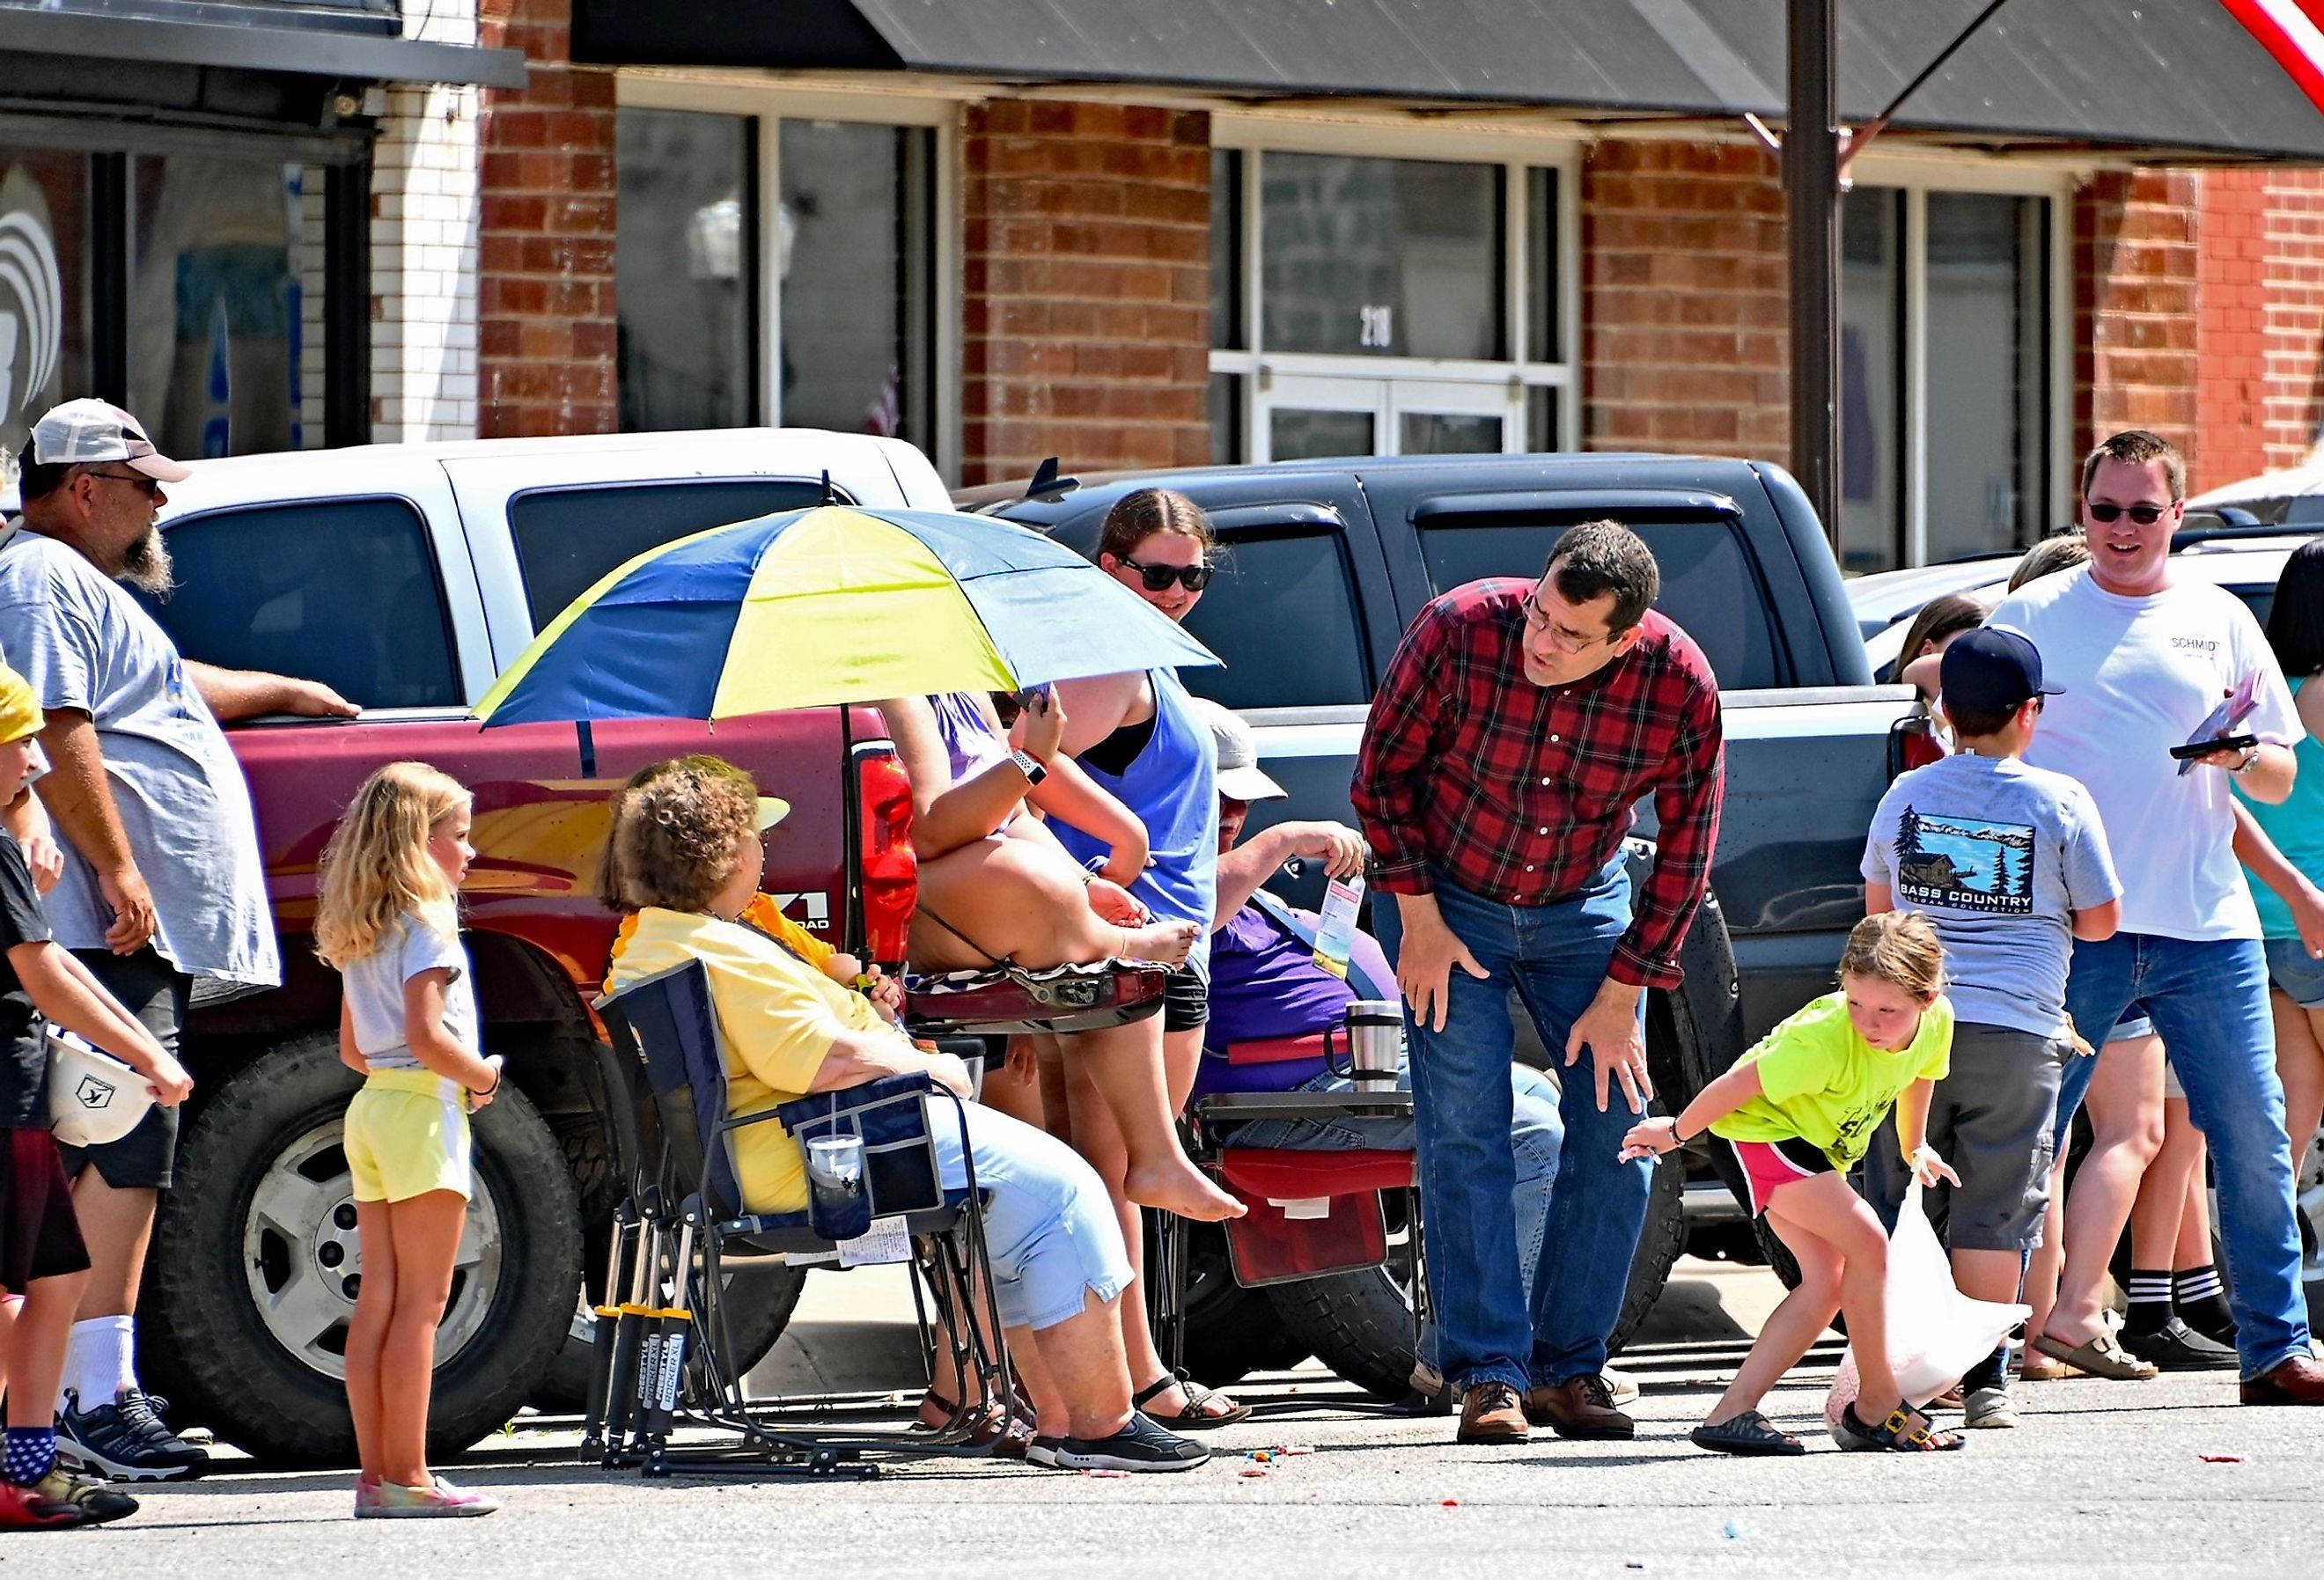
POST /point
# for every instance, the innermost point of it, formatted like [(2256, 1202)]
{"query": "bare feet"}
[(1178, 1186), (1166, 943)]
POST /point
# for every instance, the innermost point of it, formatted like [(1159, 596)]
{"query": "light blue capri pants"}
[(1049, 1227)]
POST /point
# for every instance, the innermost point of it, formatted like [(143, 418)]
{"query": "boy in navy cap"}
[(2011, 865)]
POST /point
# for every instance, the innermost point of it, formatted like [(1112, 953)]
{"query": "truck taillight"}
[(891, 872), (1914, 742)]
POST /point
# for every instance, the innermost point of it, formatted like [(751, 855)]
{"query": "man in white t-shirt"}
[(2144, 660)]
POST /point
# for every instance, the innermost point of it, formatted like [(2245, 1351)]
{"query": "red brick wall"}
[(2135, 308), (545, 325), (1686, 311), (2260, 386), (1085, 290)]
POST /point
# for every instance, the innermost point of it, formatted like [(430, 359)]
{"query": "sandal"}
[(2102, 1356), (1904, 1430), (1007, 1436), (1749, 1434), (1192, 1418)]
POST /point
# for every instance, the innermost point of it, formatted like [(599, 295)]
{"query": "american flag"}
[(2293, 32)]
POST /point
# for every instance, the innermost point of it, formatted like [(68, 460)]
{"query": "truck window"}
[(344, 591), (568, 538), (1708, 585), (1270, 586)]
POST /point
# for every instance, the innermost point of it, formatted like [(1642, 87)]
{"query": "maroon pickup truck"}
[(406, 577)]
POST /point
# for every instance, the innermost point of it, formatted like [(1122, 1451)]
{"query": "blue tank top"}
[(1172, 786), (2296, 824)]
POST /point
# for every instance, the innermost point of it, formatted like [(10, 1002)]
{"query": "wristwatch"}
[(1029, 766), (2250, 761)]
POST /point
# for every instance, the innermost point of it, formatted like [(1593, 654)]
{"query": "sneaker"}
[(440, 1500), (1620, 1386), (1988, 1407), (25, 1508), (1143, 1444), (367, 1496), (97, 1505), (125, 1441)]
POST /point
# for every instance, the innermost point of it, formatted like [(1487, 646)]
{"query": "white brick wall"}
[(423, 247)]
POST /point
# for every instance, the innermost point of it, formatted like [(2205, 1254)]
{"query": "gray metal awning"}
[(251, 38), (2160, 78)]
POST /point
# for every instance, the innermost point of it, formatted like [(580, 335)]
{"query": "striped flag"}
[(2293, 32)]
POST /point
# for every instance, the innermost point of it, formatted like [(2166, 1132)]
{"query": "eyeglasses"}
[(1155, 578), (144, 484), (2146, 515), (1565, 641)]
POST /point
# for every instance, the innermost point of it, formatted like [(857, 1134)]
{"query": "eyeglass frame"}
[(1536, 618), (2106, 514), (1193, 578), (150, 486)]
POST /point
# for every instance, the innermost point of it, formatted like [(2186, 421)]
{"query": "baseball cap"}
[(89, 432), (1240, 778), (20, 710), (1991, 670), (772, 809)]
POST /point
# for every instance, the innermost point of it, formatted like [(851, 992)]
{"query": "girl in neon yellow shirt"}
[(1798, 1111)]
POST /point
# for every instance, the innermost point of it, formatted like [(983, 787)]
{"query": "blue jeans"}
[(1536, 1134), (1494, 1324), (1049, 1229), (2208, 1002)]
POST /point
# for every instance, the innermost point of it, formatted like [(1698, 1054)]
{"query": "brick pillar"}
[(2231, 324), (423, 252), (1686, 318), (545, 317), (2135, 316), (1086, 290)]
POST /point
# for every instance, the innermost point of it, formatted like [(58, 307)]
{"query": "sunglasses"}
[(2146, 515), (137, 480), (1156, 577)]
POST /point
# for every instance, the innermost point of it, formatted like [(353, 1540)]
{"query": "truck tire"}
[(759, 1297), (254, 1259), (1360, 1324), (1230, 1332)]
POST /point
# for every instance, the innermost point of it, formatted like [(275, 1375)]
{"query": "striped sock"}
[(2150, 1301), (30, 1452), (2202, 1303)]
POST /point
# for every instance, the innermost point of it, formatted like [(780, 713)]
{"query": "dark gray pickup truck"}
[(1326, 562)]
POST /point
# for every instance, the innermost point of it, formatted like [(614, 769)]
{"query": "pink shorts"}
[(1769, 1166)]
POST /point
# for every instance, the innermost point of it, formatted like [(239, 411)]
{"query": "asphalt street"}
[(2165, 1478)]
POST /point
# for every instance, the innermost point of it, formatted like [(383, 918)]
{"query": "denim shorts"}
[(2294, 973)]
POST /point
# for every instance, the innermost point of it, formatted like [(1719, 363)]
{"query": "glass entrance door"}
[(1306, 418)]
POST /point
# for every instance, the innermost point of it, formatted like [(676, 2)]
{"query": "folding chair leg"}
[(1169, 1273), (601, 1346), (666, 1342), (629, 1341)]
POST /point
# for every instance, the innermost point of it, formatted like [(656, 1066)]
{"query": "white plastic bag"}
[(1935, 1333)]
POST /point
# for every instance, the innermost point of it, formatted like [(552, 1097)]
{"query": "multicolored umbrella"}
[(830, 604)]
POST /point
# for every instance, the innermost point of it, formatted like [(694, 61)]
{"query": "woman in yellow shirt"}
[(686, 857), (1799, 1110)]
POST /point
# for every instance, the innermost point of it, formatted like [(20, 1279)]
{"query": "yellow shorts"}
[(407, 1135)]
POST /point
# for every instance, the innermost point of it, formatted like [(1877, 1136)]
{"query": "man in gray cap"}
[(162, 882)]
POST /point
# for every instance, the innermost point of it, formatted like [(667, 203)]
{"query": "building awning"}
[(252, 35), (2160, 79)]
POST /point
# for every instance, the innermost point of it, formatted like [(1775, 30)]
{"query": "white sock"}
[(100, 1364)]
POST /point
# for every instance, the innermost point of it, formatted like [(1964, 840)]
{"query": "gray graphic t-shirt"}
[(1998, 855)]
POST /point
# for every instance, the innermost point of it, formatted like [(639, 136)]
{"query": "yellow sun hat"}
[(20, 710)]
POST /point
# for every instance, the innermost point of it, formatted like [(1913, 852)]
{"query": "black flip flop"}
[(1750, 1435), (1191, 1418)]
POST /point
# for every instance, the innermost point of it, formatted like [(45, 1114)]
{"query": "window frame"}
[(1915, 177), (1252, 137), (768, 107)]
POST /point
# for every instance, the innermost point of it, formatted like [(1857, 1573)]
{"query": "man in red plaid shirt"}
[(1519, 724)]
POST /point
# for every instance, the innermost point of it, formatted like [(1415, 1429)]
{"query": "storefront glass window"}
[(686, 269), (1985, 372), (227, 266), (1388, 257), (44, 296), (856, 292), (1871, 377)]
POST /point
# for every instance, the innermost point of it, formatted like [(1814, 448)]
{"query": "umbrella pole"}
[(587, 739)]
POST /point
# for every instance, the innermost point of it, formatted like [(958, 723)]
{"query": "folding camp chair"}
[(1311, 1212), (669, 1352)]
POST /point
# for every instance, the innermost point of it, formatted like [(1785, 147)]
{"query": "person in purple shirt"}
[(1265, 986)]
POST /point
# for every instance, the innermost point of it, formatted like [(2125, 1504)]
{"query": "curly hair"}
[(675, 826), (376, 866)]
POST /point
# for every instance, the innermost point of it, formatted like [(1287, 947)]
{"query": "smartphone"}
[(2223, 743), (1033, 698)]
